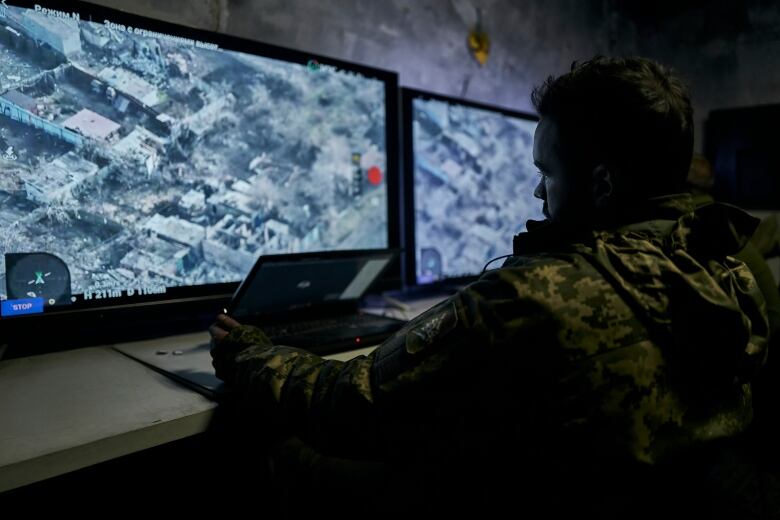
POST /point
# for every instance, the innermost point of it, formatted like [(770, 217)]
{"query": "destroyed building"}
[(232, 242), (59, 178), (153, 255), (22, 101), (177, 230), (91, 124), (140, 146), (130, 84), (61, 34)]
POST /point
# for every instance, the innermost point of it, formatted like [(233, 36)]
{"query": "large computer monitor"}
[(469, 182), (143, 162)]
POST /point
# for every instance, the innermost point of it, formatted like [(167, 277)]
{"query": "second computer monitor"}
[(470, 177)]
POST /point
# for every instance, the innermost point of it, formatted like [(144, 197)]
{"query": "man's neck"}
[(549, 234)]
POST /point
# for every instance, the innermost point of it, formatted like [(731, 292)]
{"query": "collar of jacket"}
[(710, 229)]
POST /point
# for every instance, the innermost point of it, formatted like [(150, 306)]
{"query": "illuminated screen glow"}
[(474, 179), (145, 163)]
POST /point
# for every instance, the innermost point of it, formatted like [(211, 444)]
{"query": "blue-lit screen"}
[(144, 163), (474, 179)]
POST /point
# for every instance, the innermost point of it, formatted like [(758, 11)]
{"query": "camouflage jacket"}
[(630, 344)]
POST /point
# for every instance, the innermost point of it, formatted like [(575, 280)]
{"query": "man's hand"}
[(222, 356), (221, 328), (224, 349)]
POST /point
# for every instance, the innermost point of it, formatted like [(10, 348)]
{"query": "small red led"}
[(357, 340), (375, 175)]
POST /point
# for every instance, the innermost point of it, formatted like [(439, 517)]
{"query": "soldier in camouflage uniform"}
[(590, 375)]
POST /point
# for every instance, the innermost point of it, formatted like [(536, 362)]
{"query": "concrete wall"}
[(727, 51)]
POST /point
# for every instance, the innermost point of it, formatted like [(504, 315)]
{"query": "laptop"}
[(312, 300)]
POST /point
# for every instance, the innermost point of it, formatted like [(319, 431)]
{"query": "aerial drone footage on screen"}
[(474, 180), (133, 161)]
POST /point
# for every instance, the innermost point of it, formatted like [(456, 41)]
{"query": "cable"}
[(493, 260)]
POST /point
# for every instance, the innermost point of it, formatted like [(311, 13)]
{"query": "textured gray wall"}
[(727, 51)]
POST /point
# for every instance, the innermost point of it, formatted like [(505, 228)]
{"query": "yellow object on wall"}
[(479, 43)]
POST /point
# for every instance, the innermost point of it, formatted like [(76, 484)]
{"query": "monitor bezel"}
[(208, 297), (408, 95)]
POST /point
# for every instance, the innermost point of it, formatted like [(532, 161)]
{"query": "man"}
[(591, 374)]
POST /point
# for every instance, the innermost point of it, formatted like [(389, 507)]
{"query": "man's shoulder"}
[(591, 315), (557, 280), (540, 260), (558, 266)]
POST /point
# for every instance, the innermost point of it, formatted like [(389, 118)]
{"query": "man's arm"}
[(328, 401)]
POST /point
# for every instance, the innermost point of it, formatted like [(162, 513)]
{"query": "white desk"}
[(68, 410)]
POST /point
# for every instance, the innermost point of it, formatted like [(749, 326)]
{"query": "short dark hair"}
[(631, 113)]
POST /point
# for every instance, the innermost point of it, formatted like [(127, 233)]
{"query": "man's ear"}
[(603, 186)]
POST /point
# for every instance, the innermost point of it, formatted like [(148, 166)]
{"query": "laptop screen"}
[(288, 284)]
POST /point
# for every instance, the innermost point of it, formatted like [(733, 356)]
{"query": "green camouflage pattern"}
[(631, 344)]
